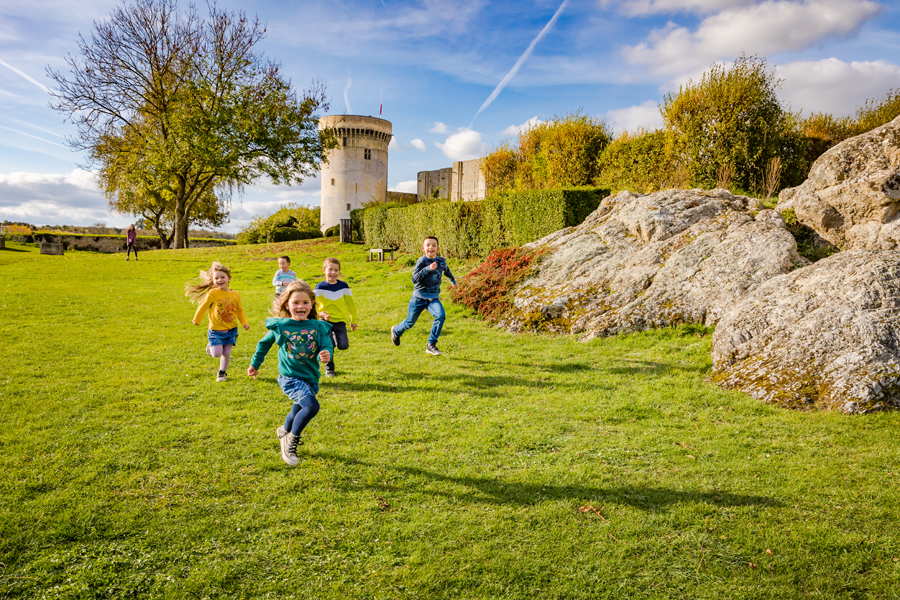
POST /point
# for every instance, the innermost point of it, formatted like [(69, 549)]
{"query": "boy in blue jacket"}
[(426, 294)]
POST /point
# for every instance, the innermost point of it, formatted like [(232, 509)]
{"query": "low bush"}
[(302, 219), (486, 288)]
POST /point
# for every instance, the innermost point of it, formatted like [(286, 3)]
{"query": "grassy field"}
[(514, 466)]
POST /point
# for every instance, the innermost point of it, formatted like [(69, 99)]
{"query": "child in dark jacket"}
[(426, 277)]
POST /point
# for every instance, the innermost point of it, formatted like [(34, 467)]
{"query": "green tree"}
[(562, 152), (173, 108), (731, 117)]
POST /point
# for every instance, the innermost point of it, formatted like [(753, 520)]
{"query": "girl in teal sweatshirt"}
[(302, 342)]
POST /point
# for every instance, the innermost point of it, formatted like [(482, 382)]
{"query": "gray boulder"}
[(824, 336), (644, 261), (852, 195)]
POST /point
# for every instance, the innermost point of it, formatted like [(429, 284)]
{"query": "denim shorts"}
[(222, 338), (297, 389)]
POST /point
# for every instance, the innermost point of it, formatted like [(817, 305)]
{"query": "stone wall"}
[(467, 181), (107, 243), (463, 181), (431, 181)]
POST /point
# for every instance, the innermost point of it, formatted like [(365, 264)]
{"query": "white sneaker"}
[(432, 349), (289, 449), (221, 376)]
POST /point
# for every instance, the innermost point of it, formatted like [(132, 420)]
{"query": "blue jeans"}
[(305, 407), (416, 306)]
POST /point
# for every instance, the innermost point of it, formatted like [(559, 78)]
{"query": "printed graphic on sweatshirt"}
[(302, 344), (226, 310)]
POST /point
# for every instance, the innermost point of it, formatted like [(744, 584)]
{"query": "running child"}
[(283, 276), (334, 303), (426, 294), (301, 339), (225, 310)]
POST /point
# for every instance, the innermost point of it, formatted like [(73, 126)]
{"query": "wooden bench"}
[(378, 253)]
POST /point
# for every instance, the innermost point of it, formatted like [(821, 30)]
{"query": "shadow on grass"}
[(486, 490), (13, 250), (649, 367), (488, 385)]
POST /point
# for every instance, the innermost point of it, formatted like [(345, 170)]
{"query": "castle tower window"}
[(332, 181), (345, 141), (348, 207), (368, 154)]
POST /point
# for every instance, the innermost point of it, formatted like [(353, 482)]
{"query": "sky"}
[(458, 77)]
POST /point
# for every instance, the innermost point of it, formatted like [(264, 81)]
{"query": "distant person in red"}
[(131, 242)]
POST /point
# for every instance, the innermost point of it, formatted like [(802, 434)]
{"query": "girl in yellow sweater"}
[(225, 310)]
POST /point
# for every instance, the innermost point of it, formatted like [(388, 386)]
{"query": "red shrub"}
[(486, 288)]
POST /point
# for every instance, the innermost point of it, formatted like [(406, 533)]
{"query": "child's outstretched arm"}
[(201, 310), (262, 348)]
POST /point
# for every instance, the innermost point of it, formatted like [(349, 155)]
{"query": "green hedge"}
[(468, 229)]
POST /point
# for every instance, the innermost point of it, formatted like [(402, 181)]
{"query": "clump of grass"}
[(809, 244)]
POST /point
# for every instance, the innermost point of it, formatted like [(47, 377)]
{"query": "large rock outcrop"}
[(643, 261), (852, 195), (824, 336)]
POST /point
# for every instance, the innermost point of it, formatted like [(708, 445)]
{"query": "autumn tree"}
[(732, 116), (561, 152), (176, 112)]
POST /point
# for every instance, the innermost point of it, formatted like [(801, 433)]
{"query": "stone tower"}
[(357, 169)]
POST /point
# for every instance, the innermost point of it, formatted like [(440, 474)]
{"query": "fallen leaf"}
[(768, 551)]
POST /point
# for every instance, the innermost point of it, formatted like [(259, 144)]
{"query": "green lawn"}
[(514, 466)]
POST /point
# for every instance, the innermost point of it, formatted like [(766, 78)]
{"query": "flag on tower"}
[(381, 104)]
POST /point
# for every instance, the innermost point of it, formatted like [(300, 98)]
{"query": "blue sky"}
[(458, 77)]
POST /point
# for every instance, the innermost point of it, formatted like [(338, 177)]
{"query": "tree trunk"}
[(180, 225)]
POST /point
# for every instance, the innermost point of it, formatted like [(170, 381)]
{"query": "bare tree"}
[(173, 109)]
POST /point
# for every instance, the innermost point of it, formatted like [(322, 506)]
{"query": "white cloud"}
[(517, 129), (393, 144), (55, 199), (646, 116), (464, 145), (439, 128), (835, 87), (765, 28), (634, 8), (417, 143), (407, 187)]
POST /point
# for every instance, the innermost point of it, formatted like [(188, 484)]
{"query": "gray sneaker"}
[(394, 337), (289, 449), (221, 376), (432, 349), (280, 432), (329, 373)]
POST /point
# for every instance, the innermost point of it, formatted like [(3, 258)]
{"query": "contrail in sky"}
[(346, 97), (31, 136), (25, 75), (521, 61)]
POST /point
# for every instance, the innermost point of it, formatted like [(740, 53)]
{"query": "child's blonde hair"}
[(280, 305), (197, 291)]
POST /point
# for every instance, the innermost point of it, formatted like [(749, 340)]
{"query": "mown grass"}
[(514, 466)]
